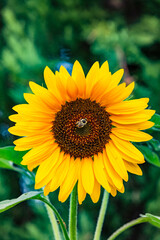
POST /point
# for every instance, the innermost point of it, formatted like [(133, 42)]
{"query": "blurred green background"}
[(36, 33)]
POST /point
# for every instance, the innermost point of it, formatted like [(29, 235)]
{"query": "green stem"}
[(101, 215), (57, 215), (53, 220), (73, 215), (126, 226)]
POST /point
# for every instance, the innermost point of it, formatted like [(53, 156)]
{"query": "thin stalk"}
[(101, 215), (126, 226), (73, 214), (53, 220), (57, 215)]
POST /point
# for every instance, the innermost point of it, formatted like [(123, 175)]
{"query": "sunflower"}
[(80, 129)]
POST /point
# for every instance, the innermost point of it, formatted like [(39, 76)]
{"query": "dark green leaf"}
[(156, 120), (154, 220), (155, 143), (9, 154), (7, 204), (149, 155)]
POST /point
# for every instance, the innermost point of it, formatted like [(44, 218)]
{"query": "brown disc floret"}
[(82, 128)]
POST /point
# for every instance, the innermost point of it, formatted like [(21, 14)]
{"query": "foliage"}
[(36, 33), (7, 204)]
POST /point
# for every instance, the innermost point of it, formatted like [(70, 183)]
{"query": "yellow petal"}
[(100, 173), (104, 68), (128, 148), (130, 159), (100, 87), (47, 189), (131, 135), (62, 90), (116, 160), (101, 82), (91, 78), (50, 80), (49, 176), (27, 143), (133, 168), (96, 192), (40, 153), (117, 76), (149, 112), (35, 126), (81, 84), (110, 181), (77, 68), (70, 180), (45, 96), (87, 175), (122, 189), (63, 71), (116, 179), (81, 191), (72, 89), (48, 164), (113, 191), (28, 113), (20, 107), (36, 102), (131, 118), (115, 79), (15, 118), (136, 126), (63, 76), (111, 96), (19, 131), (128, 107), (33, 165), (58, 177), (124, 94)]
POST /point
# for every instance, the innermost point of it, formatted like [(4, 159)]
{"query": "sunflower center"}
[(82, 128)]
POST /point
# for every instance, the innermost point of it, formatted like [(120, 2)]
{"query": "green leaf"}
[(149, 155), (6, 164), (156, 120), (9, 165), (155, 143), (9, 154), (154, 220), (7, 204)]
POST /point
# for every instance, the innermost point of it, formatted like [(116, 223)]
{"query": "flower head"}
[(80, 129)]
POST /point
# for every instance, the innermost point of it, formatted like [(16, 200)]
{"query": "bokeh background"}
[(36, 33)]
